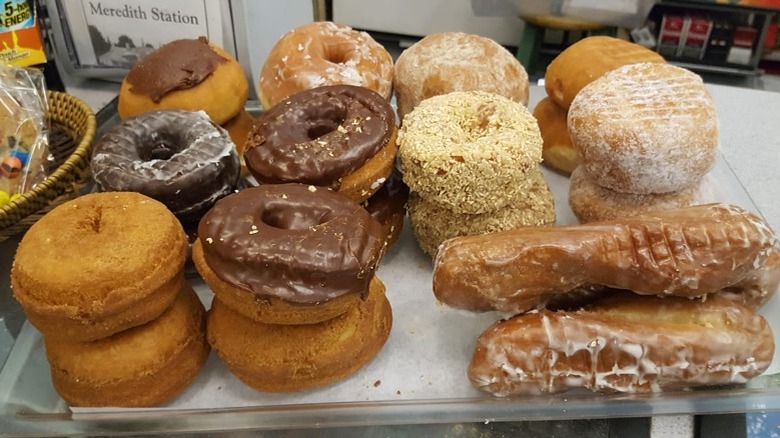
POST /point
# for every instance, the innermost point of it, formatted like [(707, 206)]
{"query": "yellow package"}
[(20, 37)]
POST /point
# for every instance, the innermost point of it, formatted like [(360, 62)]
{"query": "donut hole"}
[(286, 218), (161, 146), (478, 124), (336, 56), (325, 119)]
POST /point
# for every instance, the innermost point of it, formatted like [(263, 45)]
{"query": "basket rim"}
[(63, 173)]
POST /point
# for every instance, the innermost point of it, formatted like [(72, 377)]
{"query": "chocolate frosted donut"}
[(321, 136), (295, 242), (180, 158)]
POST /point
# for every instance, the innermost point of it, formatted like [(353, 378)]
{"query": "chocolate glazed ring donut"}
[(302, 245), (321, 135), (180, 158)]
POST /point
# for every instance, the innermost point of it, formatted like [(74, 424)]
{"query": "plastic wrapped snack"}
[(24, 130)]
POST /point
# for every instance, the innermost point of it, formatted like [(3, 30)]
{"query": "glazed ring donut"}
[(288, 254), (591, 202), (645, 128), (284, 358), (99, 264), (324, 53), (468, 151), (186, 74), (180, 158), (140, 367), (339, 136), (432, 224), (454, 61)]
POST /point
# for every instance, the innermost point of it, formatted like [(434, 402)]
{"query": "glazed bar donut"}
[(454, 61), (586, 60), (99, 264), (624, 343), (181, 158), (591, 202), (686, 252), (185, 74), (469, 151), (340, 136), (324, 53), (289, 253), (645, 128), (143, 366)]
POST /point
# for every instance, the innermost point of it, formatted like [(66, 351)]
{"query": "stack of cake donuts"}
[(101, 277), (570, 71), (297, 304)]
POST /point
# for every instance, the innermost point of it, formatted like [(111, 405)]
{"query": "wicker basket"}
[(74, 123)]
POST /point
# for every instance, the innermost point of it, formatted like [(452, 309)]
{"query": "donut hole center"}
[(325, 119), (287, 217), (337, 56), (161, 146), (480, 123)]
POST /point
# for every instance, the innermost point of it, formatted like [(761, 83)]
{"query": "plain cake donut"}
[(181, 158), (341, 136), (469, 151), (288, 253), (645, 128), (324, 53), (454, 61)]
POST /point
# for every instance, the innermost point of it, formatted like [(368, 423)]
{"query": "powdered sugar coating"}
[(624, 344), (324, 53), (645, 128)]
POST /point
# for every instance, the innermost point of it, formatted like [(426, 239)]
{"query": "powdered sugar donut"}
[(645, 128), (324, 53)]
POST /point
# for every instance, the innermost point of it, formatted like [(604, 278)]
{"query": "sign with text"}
[(117, 33)]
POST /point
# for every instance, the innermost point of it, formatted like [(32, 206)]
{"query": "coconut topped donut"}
[(469, 151), (645, 128), (324, 53)]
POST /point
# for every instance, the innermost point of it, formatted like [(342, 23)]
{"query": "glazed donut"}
[(453, 61), (557, 150), (759, 287), (623, 343), (284, 358), (686, 252), (99, 264), (288, 254), (180, 158), (645, 128), (139, 367), (324, 53), (468, 151), (186, 74), (432, 224), (388, 206), (586, 60), (591, 202), (339, 136)]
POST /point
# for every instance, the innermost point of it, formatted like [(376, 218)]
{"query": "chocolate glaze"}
[(318, 136), (181, 158), (178, 65), (303, 244), (389, 200)]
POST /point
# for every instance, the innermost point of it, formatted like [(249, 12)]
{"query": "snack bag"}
[(23, 131)]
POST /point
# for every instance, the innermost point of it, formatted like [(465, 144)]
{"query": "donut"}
[(181, 158), (432, 224), (99, 264), (289, 253), (557, 150), (338, 136), (139, 367), (591, 202), (388, 206), (645, 128), (586, 60), (468, 151), (454, 61), (285, 358), (185, 74), (324, 53), (239, 128), (623, 343)]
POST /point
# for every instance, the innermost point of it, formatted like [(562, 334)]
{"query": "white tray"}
[(418, 377)]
